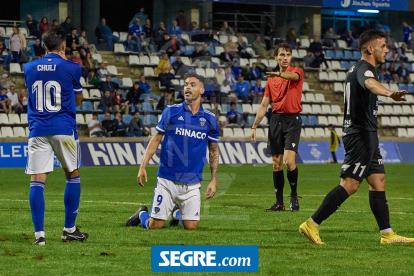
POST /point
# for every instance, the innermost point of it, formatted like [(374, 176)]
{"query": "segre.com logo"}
[(214, 258)]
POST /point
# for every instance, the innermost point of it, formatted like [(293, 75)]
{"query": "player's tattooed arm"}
[(214, 159)]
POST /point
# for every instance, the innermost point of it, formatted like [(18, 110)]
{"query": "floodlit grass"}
[(234, 216)]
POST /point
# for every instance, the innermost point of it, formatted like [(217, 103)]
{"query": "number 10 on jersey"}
[(48, 96)]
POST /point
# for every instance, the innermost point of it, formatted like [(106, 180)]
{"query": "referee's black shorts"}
[(284, 133), (362, 156)]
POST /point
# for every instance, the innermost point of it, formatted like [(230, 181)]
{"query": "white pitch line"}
[(354, 196), (87, 201)]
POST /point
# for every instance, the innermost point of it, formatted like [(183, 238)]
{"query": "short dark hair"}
[(194, 75), (181, 11), (283, 45), (53, 38), (232, 103), (369, 35)]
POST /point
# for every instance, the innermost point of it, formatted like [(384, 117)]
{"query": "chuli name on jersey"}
[(46, 67), (190, 133)]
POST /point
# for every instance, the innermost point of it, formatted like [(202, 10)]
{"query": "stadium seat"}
[(19, 132), (336, 109), (319, 132), (304, 120), (6, 132), (264, 121), (385, 121), (219, 50), (265, 62), (272, 63), (251, 52), (326, 109), (310, 97), (223, 39), (397, 109), (306, 108), (260, 133), (228, 132), (395, 121), (27, 131), (255, 108), (313, 120), (356, 55), (239, 108), (402, 132), (338, 87), (347, 54), (304, 43), (147, 107), (250, 120), (388, 110), (97, 57), (201, 72), (23, 118), (251, 61), (88, 117), (127, 119), (123, 36), (154, 60), (322, 120), (341, 76), (247, 132), (186, 61), (87, 106), (133, 60), (224, 107), (15, 68), (319, 98), (144, 60), (309, 132), (2, 31), (95, 93), (211, 50), (243, 62), (406, 109), (119, 48), (316, 109), (127, 82), (85, 93), (149, 72), (342, 43), (330, 54), (306, 88), (238, 132), (332, 120), (295, 53), (80, 119), (323, 76), (14, 119), (4, 119), (345, 65), (339, 54), (210, 73), (404, 121), (189, 49), (247, 108), (410, 132), (9, 31), (101, 117), (112, 69), (117, 81), (335, 65)]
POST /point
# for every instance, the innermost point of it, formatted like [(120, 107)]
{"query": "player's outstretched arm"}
[(149, 152), (214, 162), (284, 75), (377, 88), (261, 112), (78, 98)]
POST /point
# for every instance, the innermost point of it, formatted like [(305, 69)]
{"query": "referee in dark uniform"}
[(362, 154), (284, 89)]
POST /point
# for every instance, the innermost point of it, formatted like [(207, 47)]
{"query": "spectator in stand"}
[(132, 45), (175, 29), (165, 100), (260, 49), (163, 44), (121, 127), (82, 39), (403, 74), (305, 29), (268, 35), (147, 95), (39, 51), (235, 70), (242, 48), (389, 40), (257, 92), (76, 59), (291, 38), (149, 33), (216, 89), (308, 59), (198, 59), (140, 15), (220, 76), (207, 55), (209, 93), (222, 123), (242, 89), (226, 30), (393, 73), (73, 38), (233, 47), (351, 41), (67, 26), (95, 127), (106, 103), (160, 32), (136, 127), (392, 55), (179, 67), (84, 51), (5, 103), (6, 83), (74, 48), (107, 34), (165, 78), (136, 29), (330, 39), (233, 116), (245, 72), (32, 26), (119, 102), (174, 46), (403, 52), (93, 79), (55, 23), (109, 125), (230, 78), (225, 89), (181, 20), (23, 99), (226, 57), (384, 73), (144, 44), (319, 58), (44, 25), (5, 55), (383, 28), (29, 51), (133, 96), (261, 66), (255, 72), (407, 30), (109, 85), (164, 63), (14, 98), (194, 30), (207, 34), (315, 46), (101, 73), (17, 44)]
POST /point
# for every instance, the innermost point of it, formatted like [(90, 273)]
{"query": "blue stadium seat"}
[(101, 117), (127, 119), (87, 106), (78, 108), (173, 59), (239, 108), (339, 54), (409, 67), (356, 55), (250, 120), (252, 83), (345, 64), (147, 106), (248, 83), (397, 65), (189, 50), (153, 120), (347, 54), (352, 62), (117, 81), (402, 86), (212, 50), (410, 88), (182, 49), (304, 120), (330, 54), (225, 107), (313, 120)]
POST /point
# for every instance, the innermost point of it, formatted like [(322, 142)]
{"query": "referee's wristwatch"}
[(254, 128)]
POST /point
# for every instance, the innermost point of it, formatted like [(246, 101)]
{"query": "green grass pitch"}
[(235, 216)]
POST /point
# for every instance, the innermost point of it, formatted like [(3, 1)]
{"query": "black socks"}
[(330, 204), (279, 184), (379, 207), (293, 181)]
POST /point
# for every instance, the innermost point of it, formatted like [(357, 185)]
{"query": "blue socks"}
[(177, 216), (71, 199), (144, 218), (37, 205)]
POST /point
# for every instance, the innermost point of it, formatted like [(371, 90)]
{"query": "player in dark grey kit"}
[(362, 155)]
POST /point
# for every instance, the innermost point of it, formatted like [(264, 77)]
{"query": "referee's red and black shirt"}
[(286, 95)]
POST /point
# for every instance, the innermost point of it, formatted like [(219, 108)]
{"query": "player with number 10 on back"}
[(363, 159), (54, 92)]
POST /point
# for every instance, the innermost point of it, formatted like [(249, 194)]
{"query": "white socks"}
[(39, 234), (388, 230), (175, 214), (314, 222), (70, 230)]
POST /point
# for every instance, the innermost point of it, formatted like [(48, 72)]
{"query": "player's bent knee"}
[(69, 174), (155, 223), (190, 224), (290, 164)]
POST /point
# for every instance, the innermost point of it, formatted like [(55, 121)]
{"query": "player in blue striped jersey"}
[(54, 92), (187, 129)]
